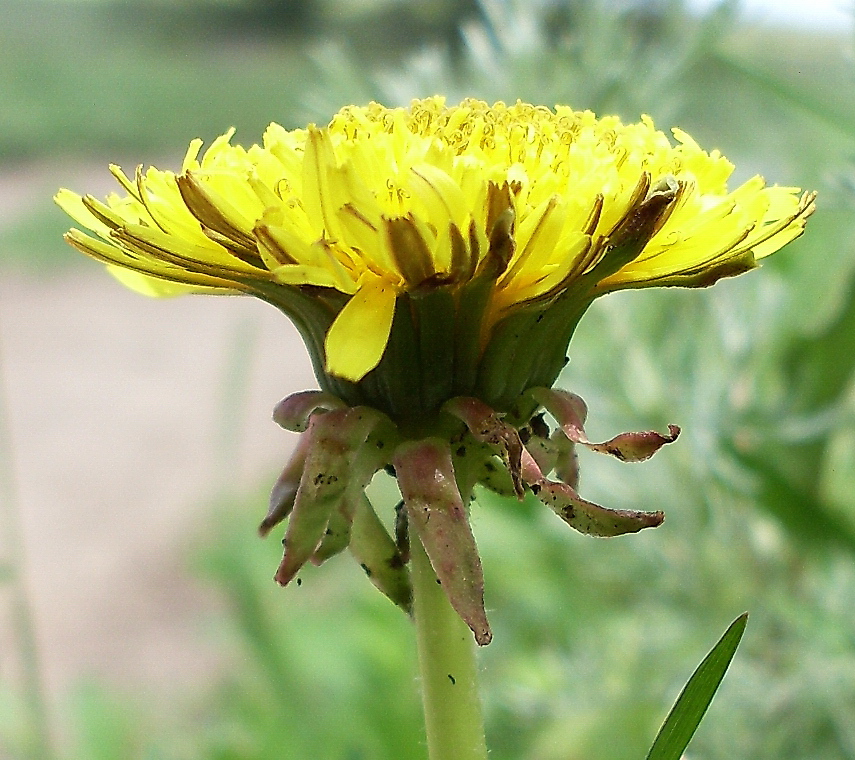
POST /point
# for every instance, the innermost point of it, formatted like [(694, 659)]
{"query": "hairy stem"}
[(449, 676)]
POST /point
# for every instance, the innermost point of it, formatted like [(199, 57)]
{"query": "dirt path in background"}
[(115, 403)]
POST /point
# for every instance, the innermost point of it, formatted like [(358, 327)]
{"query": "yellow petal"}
[(357, 339), (153, 286), (302, 274), (73, 205), (318, 202)]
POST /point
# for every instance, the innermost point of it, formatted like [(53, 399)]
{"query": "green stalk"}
[(449, 675)]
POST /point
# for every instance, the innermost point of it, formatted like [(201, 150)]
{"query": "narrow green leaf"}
[(689, 709)]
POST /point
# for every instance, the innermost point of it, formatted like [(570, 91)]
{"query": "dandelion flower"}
[(454, 225), (436, 260)]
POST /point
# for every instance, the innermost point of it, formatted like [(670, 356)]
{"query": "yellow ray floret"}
[(383, 202)]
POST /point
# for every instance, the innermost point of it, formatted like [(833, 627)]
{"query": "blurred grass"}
[(593, 637), (91, 77)]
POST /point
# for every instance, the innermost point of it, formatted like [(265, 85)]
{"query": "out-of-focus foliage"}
[(593, 638), (90, 77), (629, 58)]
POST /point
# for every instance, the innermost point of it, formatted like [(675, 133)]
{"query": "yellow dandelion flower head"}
[(515, 207)]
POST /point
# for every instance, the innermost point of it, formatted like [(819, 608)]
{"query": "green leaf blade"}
[(691, 706)]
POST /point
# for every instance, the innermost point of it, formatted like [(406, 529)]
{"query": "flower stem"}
[(449, 675)]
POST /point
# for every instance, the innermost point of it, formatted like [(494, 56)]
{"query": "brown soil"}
[(116, 408)]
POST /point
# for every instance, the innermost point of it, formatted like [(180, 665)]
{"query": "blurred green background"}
[(593, 639)]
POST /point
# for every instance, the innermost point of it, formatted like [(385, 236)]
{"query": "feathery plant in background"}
[(624, 58)]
